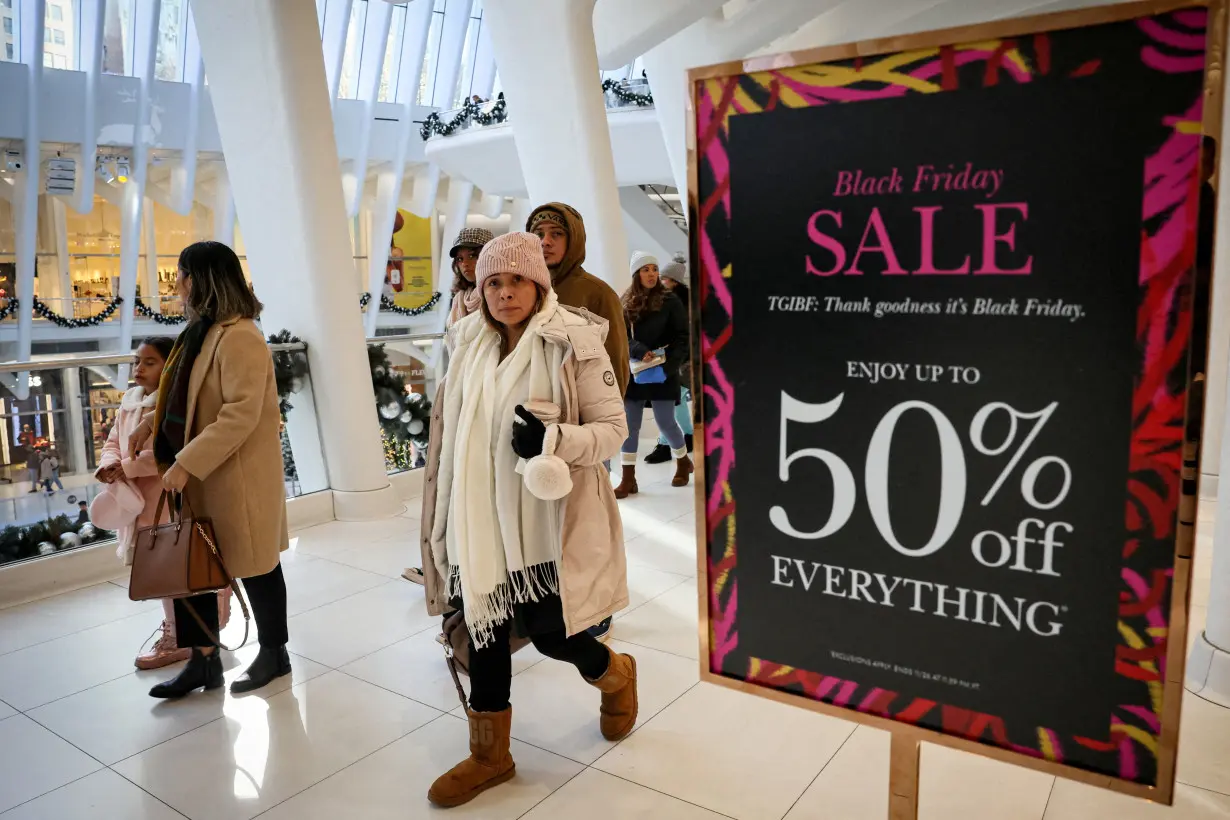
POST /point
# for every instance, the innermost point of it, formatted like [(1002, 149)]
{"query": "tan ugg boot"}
[(489, 763), (627, 486), (619, 703), (683, 470)]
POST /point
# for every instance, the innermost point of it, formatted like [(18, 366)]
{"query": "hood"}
[(575, 255)]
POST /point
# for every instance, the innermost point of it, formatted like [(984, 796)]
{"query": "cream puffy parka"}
[(593, 578)]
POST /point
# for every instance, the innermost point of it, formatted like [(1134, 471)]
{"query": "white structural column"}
[(223, 208), (271, 100), (25, 203), (448, 61), (549, 72), (390, 177), (1208, 668), (149, 237), (90, 65), (132, 203), (73, 450), (457, 209), (375, 42), (519, 214), (715, 39)]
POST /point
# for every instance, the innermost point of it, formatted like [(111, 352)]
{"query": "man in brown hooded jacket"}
[(562, 231)]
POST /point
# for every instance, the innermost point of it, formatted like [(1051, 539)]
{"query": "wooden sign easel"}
[(903, 760), (906, 738)]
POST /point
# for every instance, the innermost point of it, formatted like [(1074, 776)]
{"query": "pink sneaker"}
[(164, 651)]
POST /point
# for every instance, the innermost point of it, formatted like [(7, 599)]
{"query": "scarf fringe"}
[(485, 612)]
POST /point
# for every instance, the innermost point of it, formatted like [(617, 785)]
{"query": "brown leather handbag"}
[(180, 559)]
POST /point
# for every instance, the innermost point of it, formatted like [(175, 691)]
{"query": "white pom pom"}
[(548, 477)]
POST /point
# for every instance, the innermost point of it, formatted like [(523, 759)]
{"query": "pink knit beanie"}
[(519, 253)]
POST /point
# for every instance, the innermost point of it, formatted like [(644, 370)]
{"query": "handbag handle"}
[(176, 510)]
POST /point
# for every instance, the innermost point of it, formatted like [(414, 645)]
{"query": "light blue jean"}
[(663, 414), (682, 415)]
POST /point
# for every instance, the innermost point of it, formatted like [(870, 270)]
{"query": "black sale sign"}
[(945, 311)]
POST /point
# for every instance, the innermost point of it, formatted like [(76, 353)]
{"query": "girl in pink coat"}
[(142, 474)]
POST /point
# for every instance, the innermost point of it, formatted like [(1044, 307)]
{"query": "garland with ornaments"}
[(290, 369), (10, 305), (404, 417), (42, 310), (473, 112), (161, 318), (470, 111), (56, 533), (388, 304), (642, 100)]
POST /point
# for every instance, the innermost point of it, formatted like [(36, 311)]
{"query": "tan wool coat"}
[(593, 569), (234, 452)]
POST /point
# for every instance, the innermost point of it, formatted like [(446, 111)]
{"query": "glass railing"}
[(406, 369), (52, 443)]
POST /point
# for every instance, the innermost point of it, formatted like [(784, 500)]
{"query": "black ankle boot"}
[(660, 455), (269, 665), (201, 671)]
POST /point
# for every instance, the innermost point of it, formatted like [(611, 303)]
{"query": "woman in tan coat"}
[(215, 438), (520, 528)]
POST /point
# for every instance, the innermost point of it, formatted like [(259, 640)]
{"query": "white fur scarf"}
[(503, 544)]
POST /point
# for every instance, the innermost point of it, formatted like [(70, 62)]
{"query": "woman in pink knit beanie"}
[(521, 533)]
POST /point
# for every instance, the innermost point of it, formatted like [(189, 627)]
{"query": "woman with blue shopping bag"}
[(657, 324)]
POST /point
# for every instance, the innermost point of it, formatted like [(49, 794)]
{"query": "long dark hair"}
[(162, 344), (498, 327), (639, 300), (219, 290)]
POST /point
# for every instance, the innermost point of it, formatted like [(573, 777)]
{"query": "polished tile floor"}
[(370, 716)]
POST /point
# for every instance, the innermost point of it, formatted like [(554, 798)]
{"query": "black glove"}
[(527, 438)]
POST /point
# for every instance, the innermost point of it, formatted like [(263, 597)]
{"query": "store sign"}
[(945, 300)]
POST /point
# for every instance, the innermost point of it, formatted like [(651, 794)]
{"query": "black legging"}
[(266, 594), (491, 666)]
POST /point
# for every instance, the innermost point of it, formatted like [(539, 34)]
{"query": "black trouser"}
[(491, 666), (266, 594)]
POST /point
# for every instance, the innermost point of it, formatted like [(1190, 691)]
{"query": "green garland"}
[(472, 111), (41, 309), (388, 304), (290, 369), (161, 318)]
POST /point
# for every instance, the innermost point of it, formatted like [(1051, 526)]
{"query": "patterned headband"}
[(548, 216)]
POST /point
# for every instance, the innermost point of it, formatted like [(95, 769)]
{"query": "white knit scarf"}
[(503, 543)]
